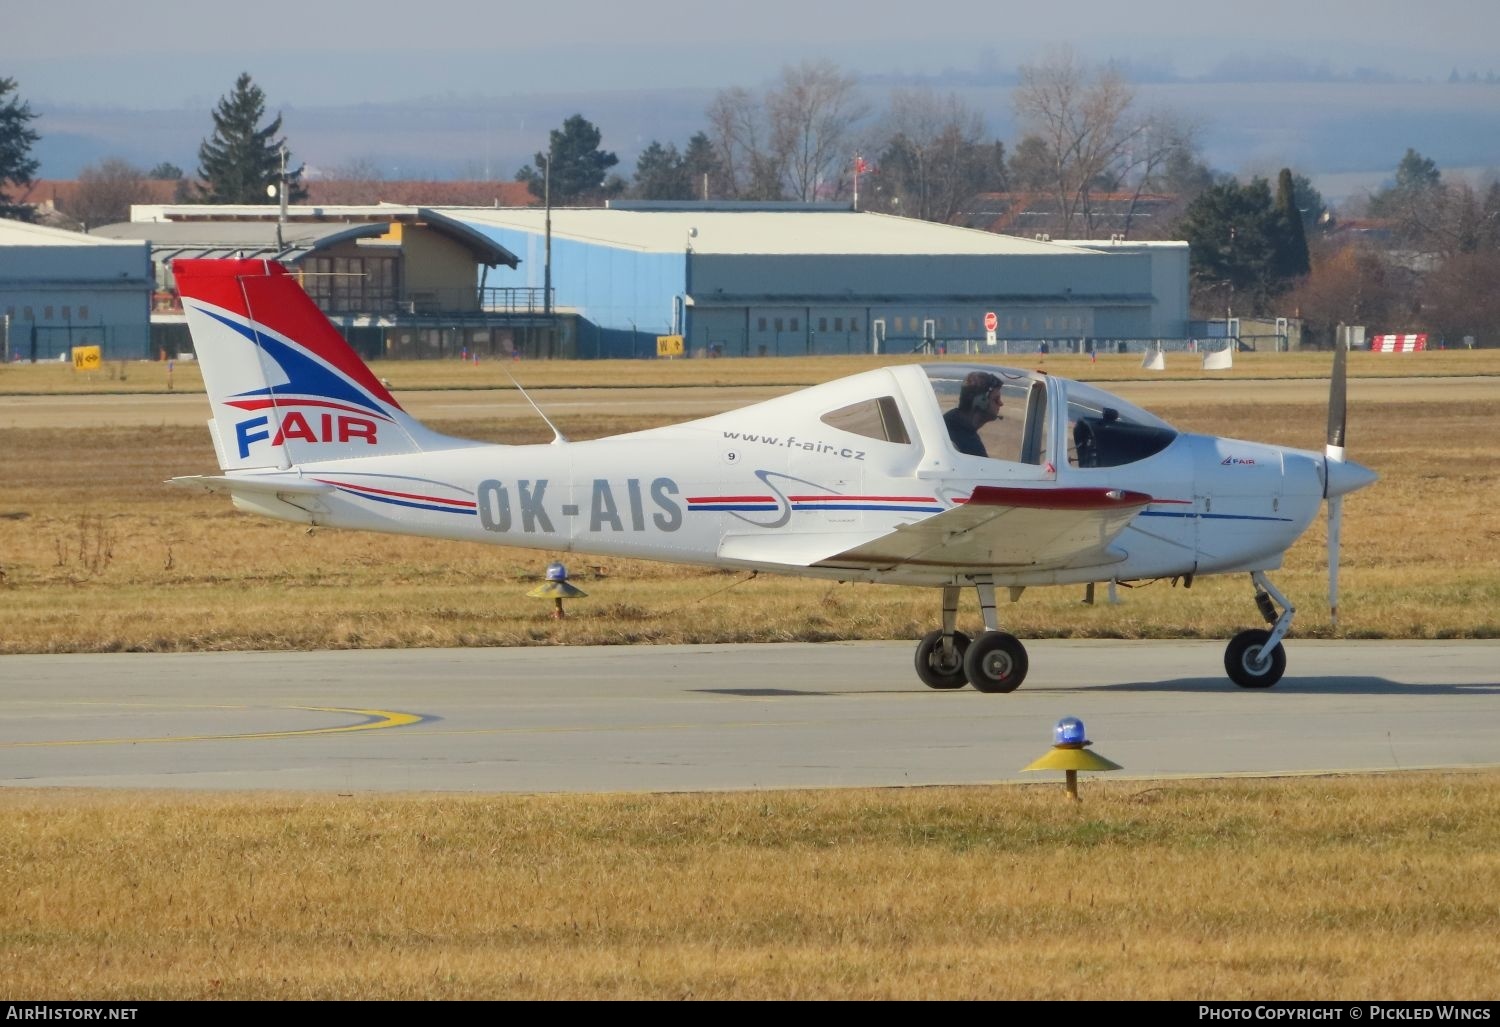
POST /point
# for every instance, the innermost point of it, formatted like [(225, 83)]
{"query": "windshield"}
[(1106, 431)]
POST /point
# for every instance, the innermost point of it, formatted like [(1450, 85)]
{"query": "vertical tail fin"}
[(284, 385)]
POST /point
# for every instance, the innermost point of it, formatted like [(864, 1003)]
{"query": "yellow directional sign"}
[(669, 345), (86, 358)]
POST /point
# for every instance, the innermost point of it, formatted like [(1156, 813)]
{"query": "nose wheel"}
[(1256, 658)]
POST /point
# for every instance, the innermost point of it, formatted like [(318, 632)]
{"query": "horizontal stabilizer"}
[(260, 484)]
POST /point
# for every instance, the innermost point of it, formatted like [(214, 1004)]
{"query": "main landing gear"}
[(1255, 658), (948, 658)]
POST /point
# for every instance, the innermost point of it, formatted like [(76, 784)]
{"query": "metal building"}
[(63, 289), (741, 279)]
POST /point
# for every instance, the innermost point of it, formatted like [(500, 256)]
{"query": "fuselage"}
[(773, 485)]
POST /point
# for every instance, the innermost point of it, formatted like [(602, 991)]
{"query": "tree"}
[(578, 166), (241, 159), (1460, 298), (1230, 231), (1090, 138), (797, 141), (704, 171), (1292, 259), (812, 117), (934, 157), (16, 139), (166, 171), (661, 174), (1353, 285), (105, 192), (1415, 202)]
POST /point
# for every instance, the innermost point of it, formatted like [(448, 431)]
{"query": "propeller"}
[(1340, 476), (1333, 453)]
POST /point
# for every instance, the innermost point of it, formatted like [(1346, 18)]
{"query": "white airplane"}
[(859, 479)]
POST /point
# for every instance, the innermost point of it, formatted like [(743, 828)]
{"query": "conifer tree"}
[(241, 159), (16, 136), (1292, 261)]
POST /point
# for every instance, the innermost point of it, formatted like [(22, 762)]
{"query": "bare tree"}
[(933, 155), (358, 181), (1089, 135), (741, 139), (105, 192), (813, 114)]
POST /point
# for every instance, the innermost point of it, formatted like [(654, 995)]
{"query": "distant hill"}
[(1342, 134)]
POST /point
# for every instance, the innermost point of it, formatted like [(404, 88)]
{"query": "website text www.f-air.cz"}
[(1349, 1011), (53, 1011), (792, 442)]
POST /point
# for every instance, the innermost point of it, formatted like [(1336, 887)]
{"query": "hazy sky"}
[(176, 53)]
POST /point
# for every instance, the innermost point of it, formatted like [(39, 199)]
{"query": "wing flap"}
[(789, 549), (999, 527)]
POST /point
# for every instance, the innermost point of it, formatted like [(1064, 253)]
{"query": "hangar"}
[(399, 281), (746, 279), (62, 289)]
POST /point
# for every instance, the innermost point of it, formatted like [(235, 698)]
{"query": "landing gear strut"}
[(994, 662), (1255, 658)]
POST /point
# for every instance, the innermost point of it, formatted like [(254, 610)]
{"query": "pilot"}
[(979, 403)]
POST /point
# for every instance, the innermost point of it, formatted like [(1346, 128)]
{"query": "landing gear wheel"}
[(996, 662), (936, 671), (1248, 665)]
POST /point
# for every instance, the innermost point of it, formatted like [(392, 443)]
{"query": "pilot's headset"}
[(981, 401)]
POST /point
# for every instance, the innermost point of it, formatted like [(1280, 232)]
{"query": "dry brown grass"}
[(97, 555), (1329, 888), (152, 376)]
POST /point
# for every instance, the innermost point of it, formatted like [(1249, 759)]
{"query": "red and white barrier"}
[(1398, 343)]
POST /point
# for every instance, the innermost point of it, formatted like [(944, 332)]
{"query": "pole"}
[(547, 202)]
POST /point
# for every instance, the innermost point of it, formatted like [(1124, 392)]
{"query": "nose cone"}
[(1346, 476)]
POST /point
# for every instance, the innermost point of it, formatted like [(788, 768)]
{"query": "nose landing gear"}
[(1256, 658)]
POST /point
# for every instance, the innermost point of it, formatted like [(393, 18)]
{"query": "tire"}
[(930, 666), (1242, 660), (996, 662)]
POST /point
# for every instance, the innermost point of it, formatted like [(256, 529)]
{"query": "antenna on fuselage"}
[(557, 436)]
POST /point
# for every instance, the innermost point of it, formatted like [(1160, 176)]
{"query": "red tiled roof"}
[(60, 192)]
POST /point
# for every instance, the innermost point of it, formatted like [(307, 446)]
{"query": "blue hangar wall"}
[(625, 298), (750, 304)]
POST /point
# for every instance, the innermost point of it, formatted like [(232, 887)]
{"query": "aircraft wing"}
[(1004, 527)]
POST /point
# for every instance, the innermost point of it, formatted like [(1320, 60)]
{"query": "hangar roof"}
[(21, 233), (664, 228), (252, 239), (227, 229)]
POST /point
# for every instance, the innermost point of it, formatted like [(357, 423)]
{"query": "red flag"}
[(860, 167)]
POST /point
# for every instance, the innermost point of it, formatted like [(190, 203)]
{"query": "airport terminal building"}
[(788, 279)]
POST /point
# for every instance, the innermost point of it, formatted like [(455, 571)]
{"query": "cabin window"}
[(872, 418)]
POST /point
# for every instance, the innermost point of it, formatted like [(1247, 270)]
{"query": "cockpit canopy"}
[(1101, 429)]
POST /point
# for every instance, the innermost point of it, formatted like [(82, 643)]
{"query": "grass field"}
[(1384, 887)]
